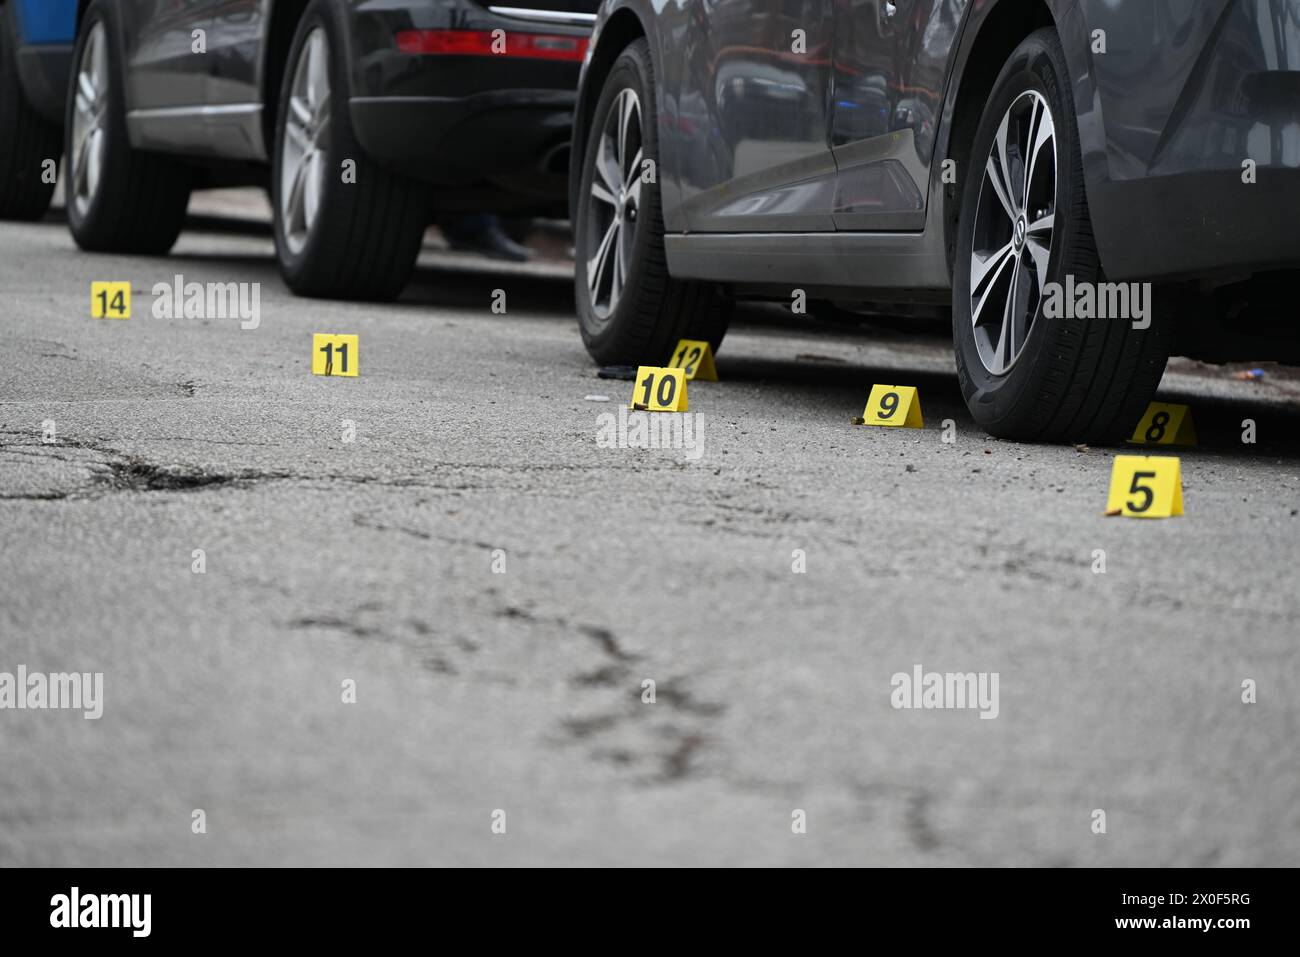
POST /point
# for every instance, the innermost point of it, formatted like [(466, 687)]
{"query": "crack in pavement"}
[(667, 740), (121, 471), (114, 470), (918, 824), (665, 743)]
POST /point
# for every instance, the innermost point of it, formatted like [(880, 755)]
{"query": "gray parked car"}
[(364, 117), (991, 158)]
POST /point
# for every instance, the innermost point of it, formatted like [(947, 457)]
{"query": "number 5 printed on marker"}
[(1144, 486)]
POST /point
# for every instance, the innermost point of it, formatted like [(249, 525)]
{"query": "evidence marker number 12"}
[(695, 358)]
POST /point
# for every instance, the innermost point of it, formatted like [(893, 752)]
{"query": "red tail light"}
[(536, 46)]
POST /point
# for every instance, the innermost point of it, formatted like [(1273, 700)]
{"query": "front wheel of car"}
[(630, 310), (345, 228), (1029, 366), (119, 199)]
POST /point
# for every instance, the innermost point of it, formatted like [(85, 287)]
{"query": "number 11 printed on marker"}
[(334, 355)]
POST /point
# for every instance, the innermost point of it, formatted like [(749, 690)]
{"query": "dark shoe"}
[(483, 234)]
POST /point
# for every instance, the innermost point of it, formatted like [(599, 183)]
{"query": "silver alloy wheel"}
[(303, 156), (616, 202), (1015, 219), (89, 118)]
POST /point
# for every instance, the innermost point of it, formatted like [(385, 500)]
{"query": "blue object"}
[(46, 21)]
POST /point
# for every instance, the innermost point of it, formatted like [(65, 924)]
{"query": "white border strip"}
[(546, 16)]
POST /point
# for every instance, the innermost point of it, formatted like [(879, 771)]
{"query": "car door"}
[(890, 64), (757, 89), (163, 71), (166, 79), (236, 34)]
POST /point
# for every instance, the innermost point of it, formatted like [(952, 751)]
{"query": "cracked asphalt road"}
[(371, 560)]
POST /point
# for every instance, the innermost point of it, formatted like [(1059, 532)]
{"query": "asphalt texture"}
[(496, 586)]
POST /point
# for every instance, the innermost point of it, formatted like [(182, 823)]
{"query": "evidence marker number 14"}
[(110, 300)]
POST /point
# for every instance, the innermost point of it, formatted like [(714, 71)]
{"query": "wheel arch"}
[(283, 18), (614, 33), (993, 30)]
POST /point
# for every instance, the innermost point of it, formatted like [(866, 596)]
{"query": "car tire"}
[(630, 310), (119, 199), (29, 139), (336, 236), (1028, 376)]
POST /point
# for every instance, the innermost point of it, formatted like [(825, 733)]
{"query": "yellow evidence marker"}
[(1165, 424), (695, 357), (897, 406), (659, 390), (334, 355), (1146, 486), (110, 300)]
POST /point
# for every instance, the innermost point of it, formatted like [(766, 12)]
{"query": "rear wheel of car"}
[(344, 227), (1024, 225), (630, 310), (29, 139), (119, 199)]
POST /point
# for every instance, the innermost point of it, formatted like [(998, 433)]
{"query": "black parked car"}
[(971, 156), (370, 115)]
